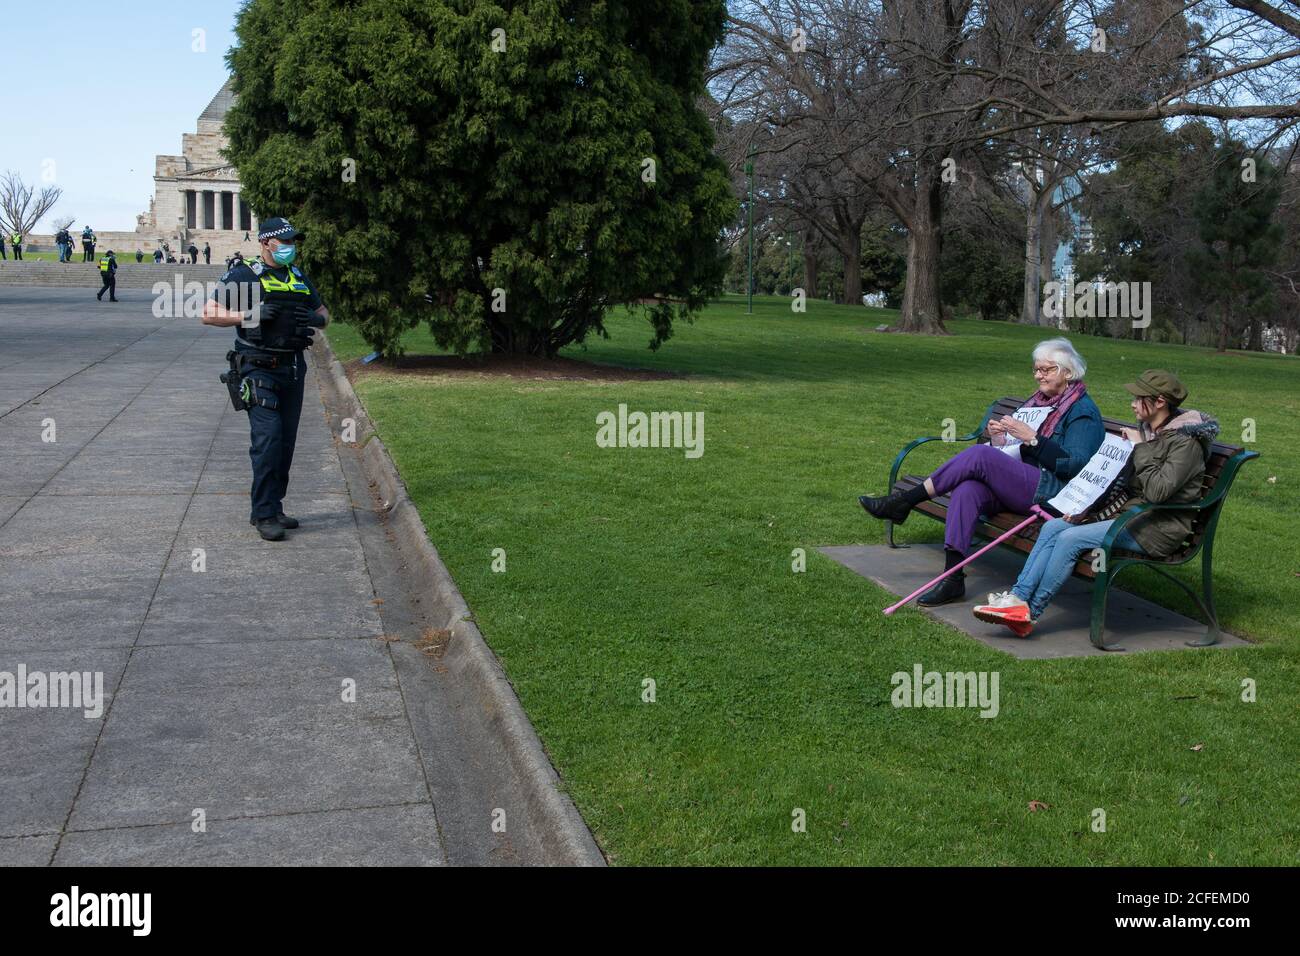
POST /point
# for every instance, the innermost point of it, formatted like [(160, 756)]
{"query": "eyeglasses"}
[(1045, 369)]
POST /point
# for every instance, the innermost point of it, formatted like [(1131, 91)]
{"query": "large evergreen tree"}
[(529, 165), (1240, 240)]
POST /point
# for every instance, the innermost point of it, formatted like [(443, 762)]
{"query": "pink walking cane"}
[(1038, 513)]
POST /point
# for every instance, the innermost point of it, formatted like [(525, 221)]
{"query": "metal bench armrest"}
[(1213, 500), (909, 446)]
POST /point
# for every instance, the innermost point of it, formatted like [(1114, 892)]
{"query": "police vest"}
[(103, 264), (275, 332), (16, 239), (273, 286)]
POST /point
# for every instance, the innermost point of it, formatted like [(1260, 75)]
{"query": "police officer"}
[(16, 240), (87, 245), (108, 274), (267, 360)]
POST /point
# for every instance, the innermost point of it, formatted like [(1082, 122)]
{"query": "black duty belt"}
[(262, 360)]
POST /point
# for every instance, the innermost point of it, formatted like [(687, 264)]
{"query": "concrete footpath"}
[(262, 703)]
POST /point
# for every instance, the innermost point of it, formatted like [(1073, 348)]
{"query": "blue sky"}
[(67, 95)]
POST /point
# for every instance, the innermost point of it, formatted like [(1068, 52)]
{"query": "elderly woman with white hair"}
[(985, 479)]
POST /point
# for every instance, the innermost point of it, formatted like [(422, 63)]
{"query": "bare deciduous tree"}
[(20, 208)]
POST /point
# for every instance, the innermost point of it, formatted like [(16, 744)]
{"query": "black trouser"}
[(273, 431), (18, 253), (110, 286), (2, 251)]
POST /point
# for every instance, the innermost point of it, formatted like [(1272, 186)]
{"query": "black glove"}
[(306, 315)]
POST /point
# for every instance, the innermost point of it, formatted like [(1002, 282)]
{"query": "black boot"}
[(270, 529), (286, 521), (952, 588), (894, 507)]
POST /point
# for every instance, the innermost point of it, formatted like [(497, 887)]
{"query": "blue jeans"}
[(1055, 553)]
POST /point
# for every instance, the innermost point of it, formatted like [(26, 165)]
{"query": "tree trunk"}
[(1040, 249), (1256, 341), (851, 242), (1046, 251), (1031, 311), (809, 267), (922, 307)]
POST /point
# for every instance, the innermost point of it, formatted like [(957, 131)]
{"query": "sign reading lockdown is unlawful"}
[(1096, 477)]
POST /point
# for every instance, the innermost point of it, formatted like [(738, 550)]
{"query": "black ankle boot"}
[(952, 588), (896, 506)]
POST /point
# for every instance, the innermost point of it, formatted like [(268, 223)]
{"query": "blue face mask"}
[(284, 255)]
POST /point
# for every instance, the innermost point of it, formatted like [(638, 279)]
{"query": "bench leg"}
[(1096, 634), (889, 536), (1207, 606)]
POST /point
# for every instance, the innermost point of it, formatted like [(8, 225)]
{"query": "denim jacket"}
[(1076, 438)]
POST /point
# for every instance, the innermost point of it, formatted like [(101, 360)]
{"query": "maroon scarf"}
[(1073, 392)]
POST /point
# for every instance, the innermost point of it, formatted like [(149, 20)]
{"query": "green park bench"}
[(1220, 470)]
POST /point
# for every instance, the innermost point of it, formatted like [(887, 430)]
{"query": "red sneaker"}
[(1015, 617)]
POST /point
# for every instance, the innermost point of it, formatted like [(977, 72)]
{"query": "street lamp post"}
[(749, 287)]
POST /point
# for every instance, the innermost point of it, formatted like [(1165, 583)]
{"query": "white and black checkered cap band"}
[(285, 230)]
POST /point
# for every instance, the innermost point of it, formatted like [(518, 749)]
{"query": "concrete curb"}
[(467, 657)]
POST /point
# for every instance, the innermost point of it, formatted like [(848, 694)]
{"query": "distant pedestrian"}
[(108, 273), (157, 257), (139, 256), (87, 245), (61, 240), (207, 254), (16, 240), (72, 246), (194, 254), (2, 247)]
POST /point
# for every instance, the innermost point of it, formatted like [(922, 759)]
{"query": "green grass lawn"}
[(773, 688)]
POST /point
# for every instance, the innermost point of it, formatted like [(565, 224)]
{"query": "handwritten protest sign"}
[(1096, 477), (1033, 416)]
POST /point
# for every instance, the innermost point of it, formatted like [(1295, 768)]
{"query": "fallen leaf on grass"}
[(1036, 805), (1199, 747)]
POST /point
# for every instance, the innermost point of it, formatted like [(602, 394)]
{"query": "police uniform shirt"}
[(246, 274)]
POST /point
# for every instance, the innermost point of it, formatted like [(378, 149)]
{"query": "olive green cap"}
[(1155, 382)]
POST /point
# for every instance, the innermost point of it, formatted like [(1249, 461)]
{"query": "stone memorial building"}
[(196, 193)]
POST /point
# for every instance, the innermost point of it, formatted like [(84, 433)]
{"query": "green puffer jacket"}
[(1168, 468)]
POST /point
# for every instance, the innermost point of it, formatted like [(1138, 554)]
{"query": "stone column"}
[(209, 210)]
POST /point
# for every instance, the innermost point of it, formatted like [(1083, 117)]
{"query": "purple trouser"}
[(982, 480)]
